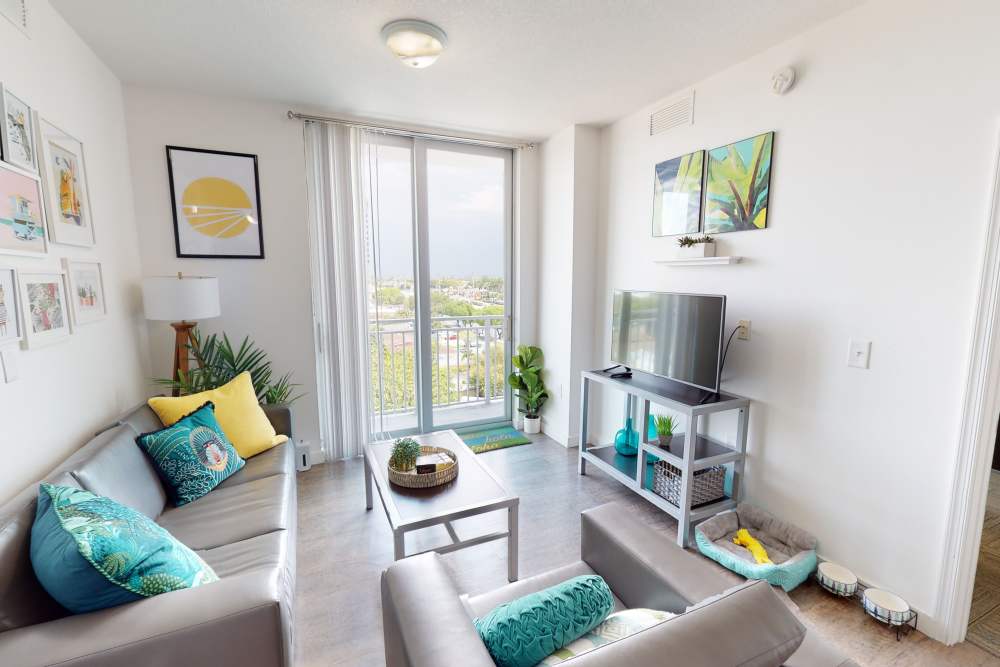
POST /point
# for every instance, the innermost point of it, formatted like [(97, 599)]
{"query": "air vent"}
[(15, 11), (677, 113)]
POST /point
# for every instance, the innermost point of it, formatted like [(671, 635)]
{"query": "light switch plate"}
[(859, 353)]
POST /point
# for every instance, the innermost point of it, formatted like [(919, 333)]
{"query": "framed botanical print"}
[(10, 317), (43, 304), (64, 180), (17, 132), (677, 195), (737, 185), (85, 282), (22, 214), (215, 197)]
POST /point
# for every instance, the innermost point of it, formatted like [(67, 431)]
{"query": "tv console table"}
[(635, 471)]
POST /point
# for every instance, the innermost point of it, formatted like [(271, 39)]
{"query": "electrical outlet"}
[(859, 353), (744, 333)]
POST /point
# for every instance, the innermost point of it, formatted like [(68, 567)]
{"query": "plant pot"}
[(695, 251), (664, 440), (532, 425)]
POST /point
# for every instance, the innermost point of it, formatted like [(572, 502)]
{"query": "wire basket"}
[(709, 484)]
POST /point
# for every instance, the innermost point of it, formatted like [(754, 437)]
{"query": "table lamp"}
[(180, 300)]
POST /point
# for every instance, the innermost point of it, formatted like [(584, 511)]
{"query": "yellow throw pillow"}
[(236, 409)]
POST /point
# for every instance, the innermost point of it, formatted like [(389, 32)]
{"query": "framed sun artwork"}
[(44, 308), (215, 196), (64, 180)]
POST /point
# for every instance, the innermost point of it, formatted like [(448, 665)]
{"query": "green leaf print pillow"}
[(90, 552)]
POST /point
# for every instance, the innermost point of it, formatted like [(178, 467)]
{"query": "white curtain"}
[(339, 293)]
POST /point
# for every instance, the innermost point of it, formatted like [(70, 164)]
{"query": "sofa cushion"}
[(235, 513), (120, 471), (523, 632), (278, 460), (193, 455), (480, 605), (90, 552), (142, 419), (262, 552), (617, 626)]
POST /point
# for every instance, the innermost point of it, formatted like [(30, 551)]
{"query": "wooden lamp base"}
[(182, 339)]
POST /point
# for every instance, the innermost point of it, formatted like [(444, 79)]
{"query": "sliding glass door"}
[(439, 221)]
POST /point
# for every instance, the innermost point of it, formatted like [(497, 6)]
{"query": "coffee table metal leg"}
[(398, 545), (368, 485), (512, 542)]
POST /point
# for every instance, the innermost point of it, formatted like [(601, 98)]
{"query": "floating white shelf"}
[(699, 261)]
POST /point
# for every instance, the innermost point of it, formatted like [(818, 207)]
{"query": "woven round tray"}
[(412, 480)]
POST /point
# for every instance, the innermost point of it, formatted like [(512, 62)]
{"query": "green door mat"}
[(494, 438)]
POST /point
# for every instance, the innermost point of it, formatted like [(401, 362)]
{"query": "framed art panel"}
[(85, 281), (64, 180), (17, 132), (22, 214), (215, 197), (43, 304), (10, 315), (677, 195), (737, 185)]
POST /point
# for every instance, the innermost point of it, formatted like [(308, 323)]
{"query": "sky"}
[(465, 212)]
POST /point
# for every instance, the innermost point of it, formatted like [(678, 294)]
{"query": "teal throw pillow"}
[(523, 632), (193, 456), (90, 552)]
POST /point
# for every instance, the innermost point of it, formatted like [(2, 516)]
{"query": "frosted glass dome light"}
[(416, 43)]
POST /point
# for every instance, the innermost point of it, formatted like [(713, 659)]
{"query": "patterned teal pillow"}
[(193, 456), (523, 632), (90, 552)]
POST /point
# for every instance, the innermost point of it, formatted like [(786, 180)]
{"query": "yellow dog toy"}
[(751, 544)]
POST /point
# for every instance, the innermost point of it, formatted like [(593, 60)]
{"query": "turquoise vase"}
[(627, 440)]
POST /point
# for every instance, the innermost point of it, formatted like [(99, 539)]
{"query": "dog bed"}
[(791, 549)]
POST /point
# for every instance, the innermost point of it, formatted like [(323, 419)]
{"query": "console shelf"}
[(636, 472)]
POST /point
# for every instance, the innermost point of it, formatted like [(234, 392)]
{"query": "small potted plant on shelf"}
[(526, 381), (404, 454), (665, 427), (695, 246)]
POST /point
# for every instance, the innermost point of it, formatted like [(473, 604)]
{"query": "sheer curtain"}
[(339, 292)]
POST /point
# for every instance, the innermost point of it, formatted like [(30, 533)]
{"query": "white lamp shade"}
[(176, 299)]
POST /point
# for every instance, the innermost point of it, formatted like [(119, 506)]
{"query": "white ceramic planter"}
[(696, 250), (532, 425)]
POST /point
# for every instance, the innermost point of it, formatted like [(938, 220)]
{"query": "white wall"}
[(882, 164), (266, 299), (69, 390)]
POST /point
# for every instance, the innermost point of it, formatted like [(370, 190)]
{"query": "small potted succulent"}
[(695, 246), (404, 454), (665, 427)]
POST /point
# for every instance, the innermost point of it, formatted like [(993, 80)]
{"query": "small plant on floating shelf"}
[(404, 454), (665, 427), (688, 241)]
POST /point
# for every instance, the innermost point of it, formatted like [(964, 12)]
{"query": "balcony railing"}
[(467, 362)]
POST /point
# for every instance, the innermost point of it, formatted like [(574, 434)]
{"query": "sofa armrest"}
[(750, 627), (643, 567), (424, 623), (239, 620), (280, 417)]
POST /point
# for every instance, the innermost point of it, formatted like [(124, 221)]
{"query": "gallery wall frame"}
[(17, 131), (63, 171), (44, 308), (22, 213), (215, 202), (11, 329), (85, 285)]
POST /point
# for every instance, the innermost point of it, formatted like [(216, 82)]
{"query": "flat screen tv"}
[(676, 336)]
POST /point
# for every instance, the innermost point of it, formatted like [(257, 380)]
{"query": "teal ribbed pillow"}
[(523, 632), (193, 456), (90, 552)]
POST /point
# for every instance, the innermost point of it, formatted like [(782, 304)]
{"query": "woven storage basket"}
[(412, 480), (709, 483)]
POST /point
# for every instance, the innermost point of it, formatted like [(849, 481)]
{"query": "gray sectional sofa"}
[(245, 529), (427, 623)]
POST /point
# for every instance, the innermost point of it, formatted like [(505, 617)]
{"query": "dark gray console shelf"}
[(633, 471)]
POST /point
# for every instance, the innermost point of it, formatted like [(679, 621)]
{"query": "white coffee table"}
[(476, 490)]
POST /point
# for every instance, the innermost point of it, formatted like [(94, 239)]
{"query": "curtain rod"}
[(402, 131)]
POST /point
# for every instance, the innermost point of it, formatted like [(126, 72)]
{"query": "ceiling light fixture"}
[(416, 43)]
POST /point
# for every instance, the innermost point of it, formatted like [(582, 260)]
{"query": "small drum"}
[(886, 607), (837, 579)]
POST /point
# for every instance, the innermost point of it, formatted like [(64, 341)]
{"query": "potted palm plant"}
[(529, 388), (665, 427)]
